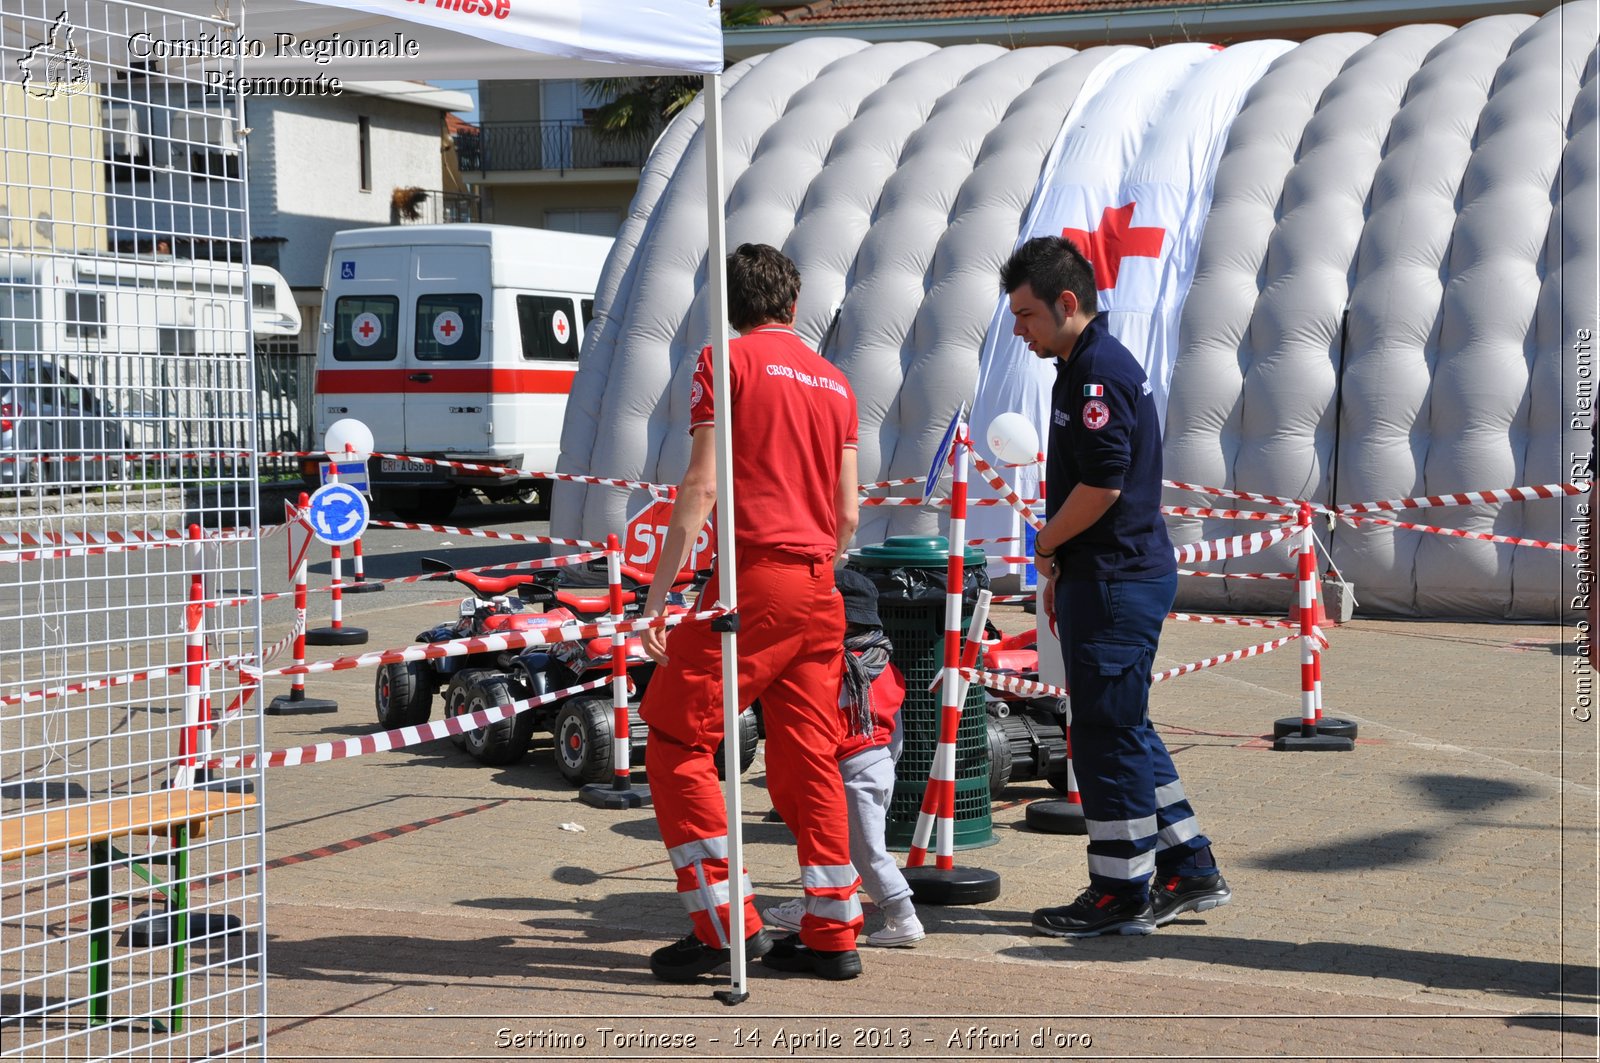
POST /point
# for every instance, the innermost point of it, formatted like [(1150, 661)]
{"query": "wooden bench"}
[(178, 814)]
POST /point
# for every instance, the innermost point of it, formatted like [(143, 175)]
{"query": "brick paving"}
[(1432, 894)]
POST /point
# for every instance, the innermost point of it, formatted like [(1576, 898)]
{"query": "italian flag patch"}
[(1093, 391)]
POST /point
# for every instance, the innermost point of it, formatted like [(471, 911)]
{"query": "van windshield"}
[(366, 328), (449, 327)]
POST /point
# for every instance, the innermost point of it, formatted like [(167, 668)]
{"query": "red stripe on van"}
[(445, 381)]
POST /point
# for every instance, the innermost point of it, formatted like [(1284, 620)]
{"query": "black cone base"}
[(1317, 743), (958, 885), (1328, 725), (336, 636), (601, 795), (1056, 817), (156, 929), (289, 705), (361, 588)]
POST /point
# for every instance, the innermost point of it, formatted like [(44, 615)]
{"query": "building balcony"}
[(550, 146)]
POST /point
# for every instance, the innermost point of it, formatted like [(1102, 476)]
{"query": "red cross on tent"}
[(1116, 239)]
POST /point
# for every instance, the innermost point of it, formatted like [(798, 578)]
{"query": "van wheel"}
[(427, 506), (541, 500)]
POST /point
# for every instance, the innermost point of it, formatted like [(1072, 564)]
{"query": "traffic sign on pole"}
[(338, 514)]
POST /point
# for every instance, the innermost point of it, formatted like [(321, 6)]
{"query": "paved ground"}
[(1432, 893)]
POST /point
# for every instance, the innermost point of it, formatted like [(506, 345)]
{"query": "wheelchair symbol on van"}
[(347, 271)]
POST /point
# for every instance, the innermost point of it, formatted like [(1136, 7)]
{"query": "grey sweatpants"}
[(868, 785)]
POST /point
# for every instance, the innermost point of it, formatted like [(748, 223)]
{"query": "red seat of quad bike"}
[(587, 603), (1013, 660)]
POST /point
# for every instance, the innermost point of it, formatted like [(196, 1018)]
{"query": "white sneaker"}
[(897, 933), (786, 915)]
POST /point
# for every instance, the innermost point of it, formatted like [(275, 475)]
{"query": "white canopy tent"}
[(485, 39)]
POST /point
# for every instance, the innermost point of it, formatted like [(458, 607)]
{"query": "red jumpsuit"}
[(793, 415)]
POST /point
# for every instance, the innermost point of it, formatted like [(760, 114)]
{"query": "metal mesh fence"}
[(131, 920)]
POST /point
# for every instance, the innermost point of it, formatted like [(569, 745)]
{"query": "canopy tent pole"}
[(717, 308)]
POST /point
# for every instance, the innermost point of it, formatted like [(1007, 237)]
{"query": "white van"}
[(456, 342)]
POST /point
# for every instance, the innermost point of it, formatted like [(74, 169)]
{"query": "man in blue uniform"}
[(1110, 579)]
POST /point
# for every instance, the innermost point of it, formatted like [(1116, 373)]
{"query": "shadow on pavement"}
[(1435, 970)]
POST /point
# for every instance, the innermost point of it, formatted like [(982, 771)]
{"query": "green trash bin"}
[(909, 572)]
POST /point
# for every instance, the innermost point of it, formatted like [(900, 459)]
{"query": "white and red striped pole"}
[(336, 634), (620, 793), (194, 661), (1308, 738), (1307, 597), (945, 883), (296, 700), (358, 580)]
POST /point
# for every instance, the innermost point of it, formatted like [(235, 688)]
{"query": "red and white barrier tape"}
[(93, 684), (401, 737), (1236, 655), (935, 502), (1233, 621), (1458, 533), (510, 640), (883, 485), (1238, 575), (1028, 688), (1237, 546), (1225, 514), (129, 455), (1468, 498), (994, 542), (1007, 493), (474, 533), (1223, 492)]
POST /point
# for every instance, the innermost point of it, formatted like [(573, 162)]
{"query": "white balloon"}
[(349, 431), (1013, 439)]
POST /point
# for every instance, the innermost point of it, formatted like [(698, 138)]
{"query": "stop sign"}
[(647, 534)]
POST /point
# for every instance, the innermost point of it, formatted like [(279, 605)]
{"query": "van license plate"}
[(403, 465)]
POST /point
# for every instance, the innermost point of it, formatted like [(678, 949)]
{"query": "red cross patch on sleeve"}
[(1096, 415)]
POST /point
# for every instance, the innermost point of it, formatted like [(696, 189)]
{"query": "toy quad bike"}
[(581, 724)]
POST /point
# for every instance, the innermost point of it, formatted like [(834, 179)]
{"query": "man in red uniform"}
[(795, 508)]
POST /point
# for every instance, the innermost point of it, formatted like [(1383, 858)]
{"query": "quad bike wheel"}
[(403, 693), (749, 737), (475, 689), (1000, 758), (583, 740)]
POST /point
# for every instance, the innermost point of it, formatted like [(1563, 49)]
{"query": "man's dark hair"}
[(762, 286), (1050, 265)]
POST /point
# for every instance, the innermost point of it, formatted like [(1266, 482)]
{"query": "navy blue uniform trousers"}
[(1138, 818)]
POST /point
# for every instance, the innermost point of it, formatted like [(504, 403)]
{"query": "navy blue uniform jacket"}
[(1104, 432)]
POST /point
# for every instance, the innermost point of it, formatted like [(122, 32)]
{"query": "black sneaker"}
[(788, 954), (1174, 895), (1094, 913), (689, 958)]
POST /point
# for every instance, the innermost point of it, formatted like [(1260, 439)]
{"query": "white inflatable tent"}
[(1391, 290)]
